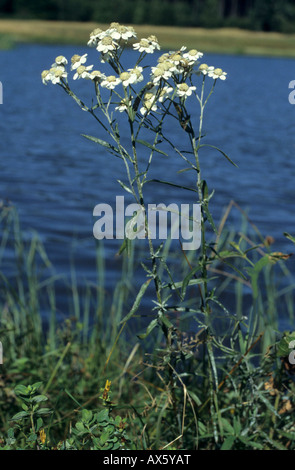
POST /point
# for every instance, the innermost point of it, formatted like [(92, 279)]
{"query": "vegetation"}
[(55, 390), (207, 366), (265, 15), (225, 40)]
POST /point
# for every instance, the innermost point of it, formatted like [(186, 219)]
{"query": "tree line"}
[(265, 15)]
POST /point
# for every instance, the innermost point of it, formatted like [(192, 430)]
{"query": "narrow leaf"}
[(137, 301), (221, 151), (150, 328), (152, 147)]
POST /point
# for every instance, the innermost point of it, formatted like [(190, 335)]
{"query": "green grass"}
[(164, 393), (225, 40)]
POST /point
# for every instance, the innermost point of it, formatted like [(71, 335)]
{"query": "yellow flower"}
[(42, 435), (107, 388)]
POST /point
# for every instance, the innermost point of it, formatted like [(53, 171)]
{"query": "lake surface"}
[(55, 177)]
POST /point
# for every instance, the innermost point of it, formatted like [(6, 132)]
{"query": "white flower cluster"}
[(108, 42), (57, 71), (170, 78)]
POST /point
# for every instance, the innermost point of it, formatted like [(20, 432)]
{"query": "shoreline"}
[(222, 40)]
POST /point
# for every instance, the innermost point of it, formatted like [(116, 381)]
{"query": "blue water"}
[(55, 177)]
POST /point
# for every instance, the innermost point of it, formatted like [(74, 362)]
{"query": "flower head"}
[(106, 45), (83, 72), (192, 56), (147, 45), (54, 75), (165, 93), (183, 90), (205, 69), (106, 391), (127, 78), (78, 60), (97, 76), (137, 71), (95, 36), (162, 71), (123, 105), (45, 77), (42, 435), (148, 106), (119, 32), (61, 60), (110, 82), (217, 73)]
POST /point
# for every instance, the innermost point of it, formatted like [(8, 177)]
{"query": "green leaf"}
[(137, 301), (43, 411), (150, 146), (268, 404), (253, 444), (150, 328), (125, 187), (126, 245), (104, 437), (102, 416), (290, 237), (228, 443), (80, 427), (221, 151), (255, 271), (36, 386), (87, 415), (188, 278), (209, 216), (39, 398), (283, 348), (22, 390), (101, 142), (171, 184), (227, 426), (20, 415), (194, 397)]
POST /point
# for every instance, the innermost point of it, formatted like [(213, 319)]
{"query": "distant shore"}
[(225, 40)]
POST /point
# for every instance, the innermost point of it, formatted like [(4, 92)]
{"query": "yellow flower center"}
[(158, 72), (96, 31), (153, 38), (107, 41), (75, 58), (175, 57), (58, 73), (124, 76), (111, 78), (60, 59), (183, 87), (144, 43), (96, 74), (44, 73), (81, 69)]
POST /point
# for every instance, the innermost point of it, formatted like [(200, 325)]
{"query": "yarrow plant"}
[(148, 94)]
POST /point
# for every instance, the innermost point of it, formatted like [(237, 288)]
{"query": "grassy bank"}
[(77, 382), (226, 40)]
